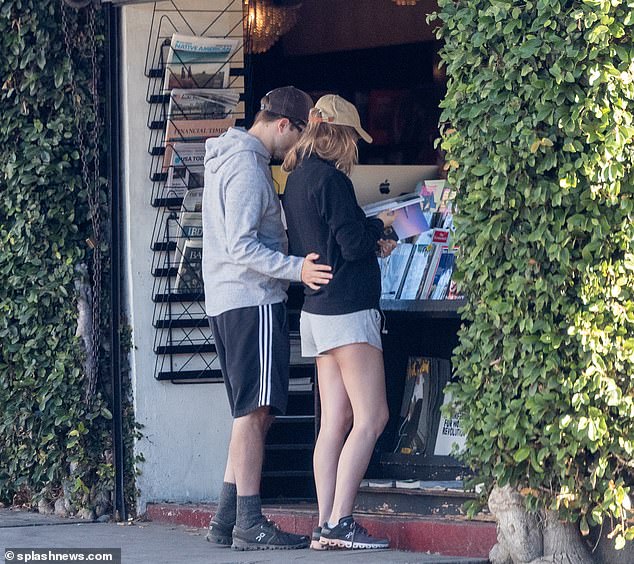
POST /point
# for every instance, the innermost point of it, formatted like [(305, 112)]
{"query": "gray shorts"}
[(321, 333)]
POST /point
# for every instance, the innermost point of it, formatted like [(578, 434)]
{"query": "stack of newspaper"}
[(201, 105), (189, 244)]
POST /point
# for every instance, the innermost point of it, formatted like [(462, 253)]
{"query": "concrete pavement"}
[(153, 543)]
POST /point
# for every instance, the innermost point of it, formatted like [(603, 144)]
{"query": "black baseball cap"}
[(289, 102)]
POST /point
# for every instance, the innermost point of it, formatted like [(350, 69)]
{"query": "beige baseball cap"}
[(335, 110)]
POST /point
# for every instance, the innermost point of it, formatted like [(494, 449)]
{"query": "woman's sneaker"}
[(349, 534), (314, 540), (267, 536), (219, 533)]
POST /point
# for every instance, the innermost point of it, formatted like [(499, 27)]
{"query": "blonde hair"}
[(335, 143)]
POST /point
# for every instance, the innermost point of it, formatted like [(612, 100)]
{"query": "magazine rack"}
[(183, 342)]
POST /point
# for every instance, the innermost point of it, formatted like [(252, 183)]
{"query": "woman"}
[(340, 323)]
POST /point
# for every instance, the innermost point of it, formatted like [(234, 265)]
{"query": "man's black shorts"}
[(254, 352)]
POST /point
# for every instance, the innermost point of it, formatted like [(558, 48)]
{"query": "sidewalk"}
[(152, 543)]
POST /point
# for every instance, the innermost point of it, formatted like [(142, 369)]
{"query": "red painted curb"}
[(446, 536)]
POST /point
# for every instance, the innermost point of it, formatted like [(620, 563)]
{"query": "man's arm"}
[(244, 208)]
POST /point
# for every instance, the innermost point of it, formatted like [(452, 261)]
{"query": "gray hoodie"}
[(244, 242)]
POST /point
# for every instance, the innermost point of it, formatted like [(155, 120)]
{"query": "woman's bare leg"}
[(336, 420), (363, 376)]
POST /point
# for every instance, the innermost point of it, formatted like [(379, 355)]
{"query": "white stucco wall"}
[(186, 427)]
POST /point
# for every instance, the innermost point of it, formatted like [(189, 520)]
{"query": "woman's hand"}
[(387, 217), (386, 246)]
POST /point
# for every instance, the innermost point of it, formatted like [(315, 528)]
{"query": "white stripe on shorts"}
[(269, 357), (265, 345)]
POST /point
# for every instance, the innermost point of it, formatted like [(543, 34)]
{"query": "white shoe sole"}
[(350, 545)]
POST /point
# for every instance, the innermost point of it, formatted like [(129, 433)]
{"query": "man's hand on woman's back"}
[(315, 275)]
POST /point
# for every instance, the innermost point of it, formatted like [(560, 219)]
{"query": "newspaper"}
[(186, 170), (202, 103), (191, 130), (189, 276), (196, 129), (198, 62), (190, 226), (193, 200)]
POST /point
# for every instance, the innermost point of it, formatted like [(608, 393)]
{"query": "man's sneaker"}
[(219, 533), (267, 536), (349, 534)]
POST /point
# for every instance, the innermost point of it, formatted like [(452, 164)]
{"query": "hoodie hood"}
[(235, 140)]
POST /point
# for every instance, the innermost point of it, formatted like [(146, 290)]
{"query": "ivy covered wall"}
[(54, 431), (540, 142)]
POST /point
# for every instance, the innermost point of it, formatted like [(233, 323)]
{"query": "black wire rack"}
[(183, 342)]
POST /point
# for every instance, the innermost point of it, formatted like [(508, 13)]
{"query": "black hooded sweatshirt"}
[(323, 217)]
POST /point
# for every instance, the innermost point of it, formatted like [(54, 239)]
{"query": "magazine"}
[(454, 292), (446, 204), (431, 192), (392, 204), (446, 485), (416, 407), (380, 483), (442, 278), (198, 62), (409, 217), (415, 273), (393, 270), (186, 170), (199, 103), (449, 433), (440, 245)]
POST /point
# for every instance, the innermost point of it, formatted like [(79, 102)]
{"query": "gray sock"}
[(226, 513), (249, 511)]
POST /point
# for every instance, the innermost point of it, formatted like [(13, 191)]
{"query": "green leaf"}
[(584, 527), (521, 454)]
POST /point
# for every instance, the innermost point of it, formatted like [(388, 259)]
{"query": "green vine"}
[(54, 443), (539, 136)]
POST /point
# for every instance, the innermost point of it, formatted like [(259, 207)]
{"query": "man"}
[(245, 272)]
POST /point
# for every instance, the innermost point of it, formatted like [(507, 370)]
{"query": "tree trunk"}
[(519, 534), (603, 547), (532, 538), (562, 542), (85, 328)]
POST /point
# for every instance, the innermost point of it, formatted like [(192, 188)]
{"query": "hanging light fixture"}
[(267, 20), (405, 2)]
